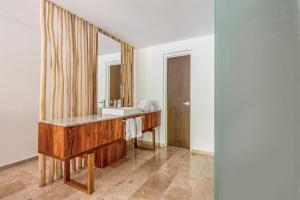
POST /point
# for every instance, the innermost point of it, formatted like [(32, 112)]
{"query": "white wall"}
[(257, 100), (19, 86), (103, 61), (149, 84)]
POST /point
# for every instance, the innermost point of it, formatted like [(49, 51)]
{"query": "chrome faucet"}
[(103, 103)]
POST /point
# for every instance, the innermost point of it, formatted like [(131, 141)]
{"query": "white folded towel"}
[(130, 129), (138, 125), (147, 105)]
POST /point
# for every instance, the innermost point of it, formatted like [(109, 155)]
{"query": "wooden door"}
[(114, 83), (178, 101)]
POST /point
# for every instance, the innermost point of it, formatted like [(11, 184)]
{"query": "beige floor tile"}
[(168, 173)]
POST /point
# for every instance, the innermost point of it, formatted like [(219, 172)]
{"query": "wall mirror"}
[(109, 72)]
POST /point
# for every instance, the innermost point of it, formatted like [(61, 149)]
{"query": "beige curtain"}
[(127, 57), (69, 52), (71, 47)]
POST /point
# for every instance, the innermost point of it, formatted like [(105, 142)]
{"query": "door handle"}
[(187, 103)]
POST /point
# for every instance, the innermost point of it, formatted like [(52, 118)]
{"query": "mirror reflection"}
[(109, 72)]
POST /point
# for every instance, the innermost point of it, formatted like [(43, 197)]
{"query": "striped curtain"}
[(127, 57), (69, 51)]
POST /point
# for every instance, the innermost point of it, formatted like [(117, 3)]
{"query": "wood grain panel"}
[(101, 157), (155, 119), (104, 134), (52, 140), (85, 137), (178, 92), (114, 83), (115, 151), (110, 153), (115, 130), (74, 140), (147, 123)]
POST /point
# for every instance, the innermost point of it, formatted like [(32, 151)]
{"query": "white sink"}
[(120, 111)]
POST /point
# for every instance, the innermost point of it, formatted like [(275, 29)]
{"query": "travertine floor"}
[(169, 173)]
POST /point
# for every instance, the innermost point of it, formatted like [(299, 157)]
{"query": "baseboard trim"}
[(14, 164), (201, 152)]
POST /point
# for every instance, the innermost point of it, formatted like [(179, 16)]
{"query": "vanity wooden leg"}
[(153, 141), (153, 138), (89, 188), (135, 142), (91, 167), (42, 170), (67, 170)]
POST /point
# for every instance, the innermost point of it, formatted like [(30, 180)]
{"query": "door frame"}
[(165, 79), (107, 79)]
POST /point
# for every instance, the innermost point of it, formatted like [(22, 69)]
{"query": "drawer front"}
[(85, 137), (110, 153), (104, 132), (147, 121), (115, 130), (151, 120), (62, 142), (155, 119), (51, 140), (82, 138)]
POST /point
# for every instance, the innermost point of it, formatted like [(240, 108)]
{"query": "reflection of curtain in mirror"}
[(127, 74)]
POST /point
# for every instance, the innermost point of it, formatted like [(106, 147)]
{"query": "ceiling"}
[(108, 45), (139, 22), (144, 23)]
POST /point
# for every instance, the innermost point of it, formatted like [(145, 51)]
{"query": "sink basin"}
[(120, 111)]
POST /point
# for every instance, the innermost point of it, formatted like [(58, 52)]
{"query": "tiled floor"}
[(169, 173)]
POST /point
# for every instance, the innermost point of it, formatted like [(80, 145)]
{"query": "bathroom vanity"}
[(99, 138)]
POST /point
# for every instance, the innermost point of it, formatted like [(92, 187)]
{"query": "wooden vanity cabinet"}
[(151, 120), (103, 141), (67, 142)]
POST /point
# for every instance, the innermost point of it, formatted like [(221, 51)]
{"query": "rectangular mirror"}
[(109, 72)]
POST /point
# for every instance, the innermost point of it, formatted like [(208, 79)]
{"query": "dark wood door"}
[(178, 101), (114, 83)]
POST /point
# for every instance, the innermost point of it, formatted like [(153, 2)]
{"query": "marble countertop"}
[(88, 119)]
